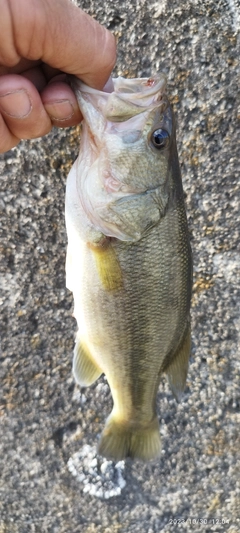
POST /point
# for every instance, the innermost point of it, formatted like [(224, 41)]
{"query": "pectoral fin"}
[(108, 266), (85, 370), (177, 370)]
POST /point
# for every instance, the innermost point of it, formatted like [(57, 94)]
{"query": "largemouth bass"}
[(129, 258)]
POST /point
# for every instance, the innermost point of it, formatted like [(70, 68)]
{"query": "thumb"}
[(62, 35)]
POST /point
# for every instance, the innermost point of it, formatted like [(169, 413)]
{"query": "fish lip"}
[(142, 86)]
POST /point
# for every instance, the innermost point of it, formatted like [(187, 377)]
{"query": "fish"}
[(129, 262)]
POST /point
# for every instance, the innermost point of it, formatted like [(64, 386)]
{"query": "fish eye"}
[(160, 138)]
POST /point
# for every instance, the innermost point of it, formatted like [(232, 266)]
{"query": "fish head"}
[(126, 144)]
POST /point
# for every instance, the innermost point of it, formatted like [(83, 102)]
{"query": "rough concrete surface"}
[(50, 478)]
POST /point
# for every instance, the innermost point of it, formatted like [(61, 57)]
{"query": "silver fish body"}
[(129, 258)]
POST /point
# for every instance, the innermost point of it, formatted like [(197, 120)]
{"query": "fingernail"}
[(16, 104), (60, 110)]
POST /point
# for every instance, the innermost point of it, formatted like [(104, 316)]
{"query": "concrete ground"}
[(50, 479)]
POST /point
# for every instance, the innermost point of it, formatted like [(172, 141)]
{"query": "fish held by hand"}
[(129, 259)]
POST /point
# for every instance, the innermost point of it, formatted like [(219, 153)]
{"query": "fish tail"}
[(123, 439)]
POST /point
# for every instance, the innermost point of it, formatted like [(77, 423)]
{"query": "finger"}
[(61, 104), (22, 108), (7, 139), (43, 31)]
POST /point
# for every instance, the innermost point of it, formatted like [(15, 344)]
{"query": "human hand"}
[(41, 42)]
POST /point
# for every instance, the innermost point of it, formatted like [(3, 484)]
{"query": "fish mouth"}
[(129, 98), (134, 86)]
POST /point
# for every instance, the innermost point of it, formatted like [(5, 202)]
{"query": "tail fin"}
[(123, 439)]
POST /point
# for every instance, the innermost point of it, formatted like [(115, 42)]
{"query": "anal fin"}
[(177, 370), (84, 368)]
